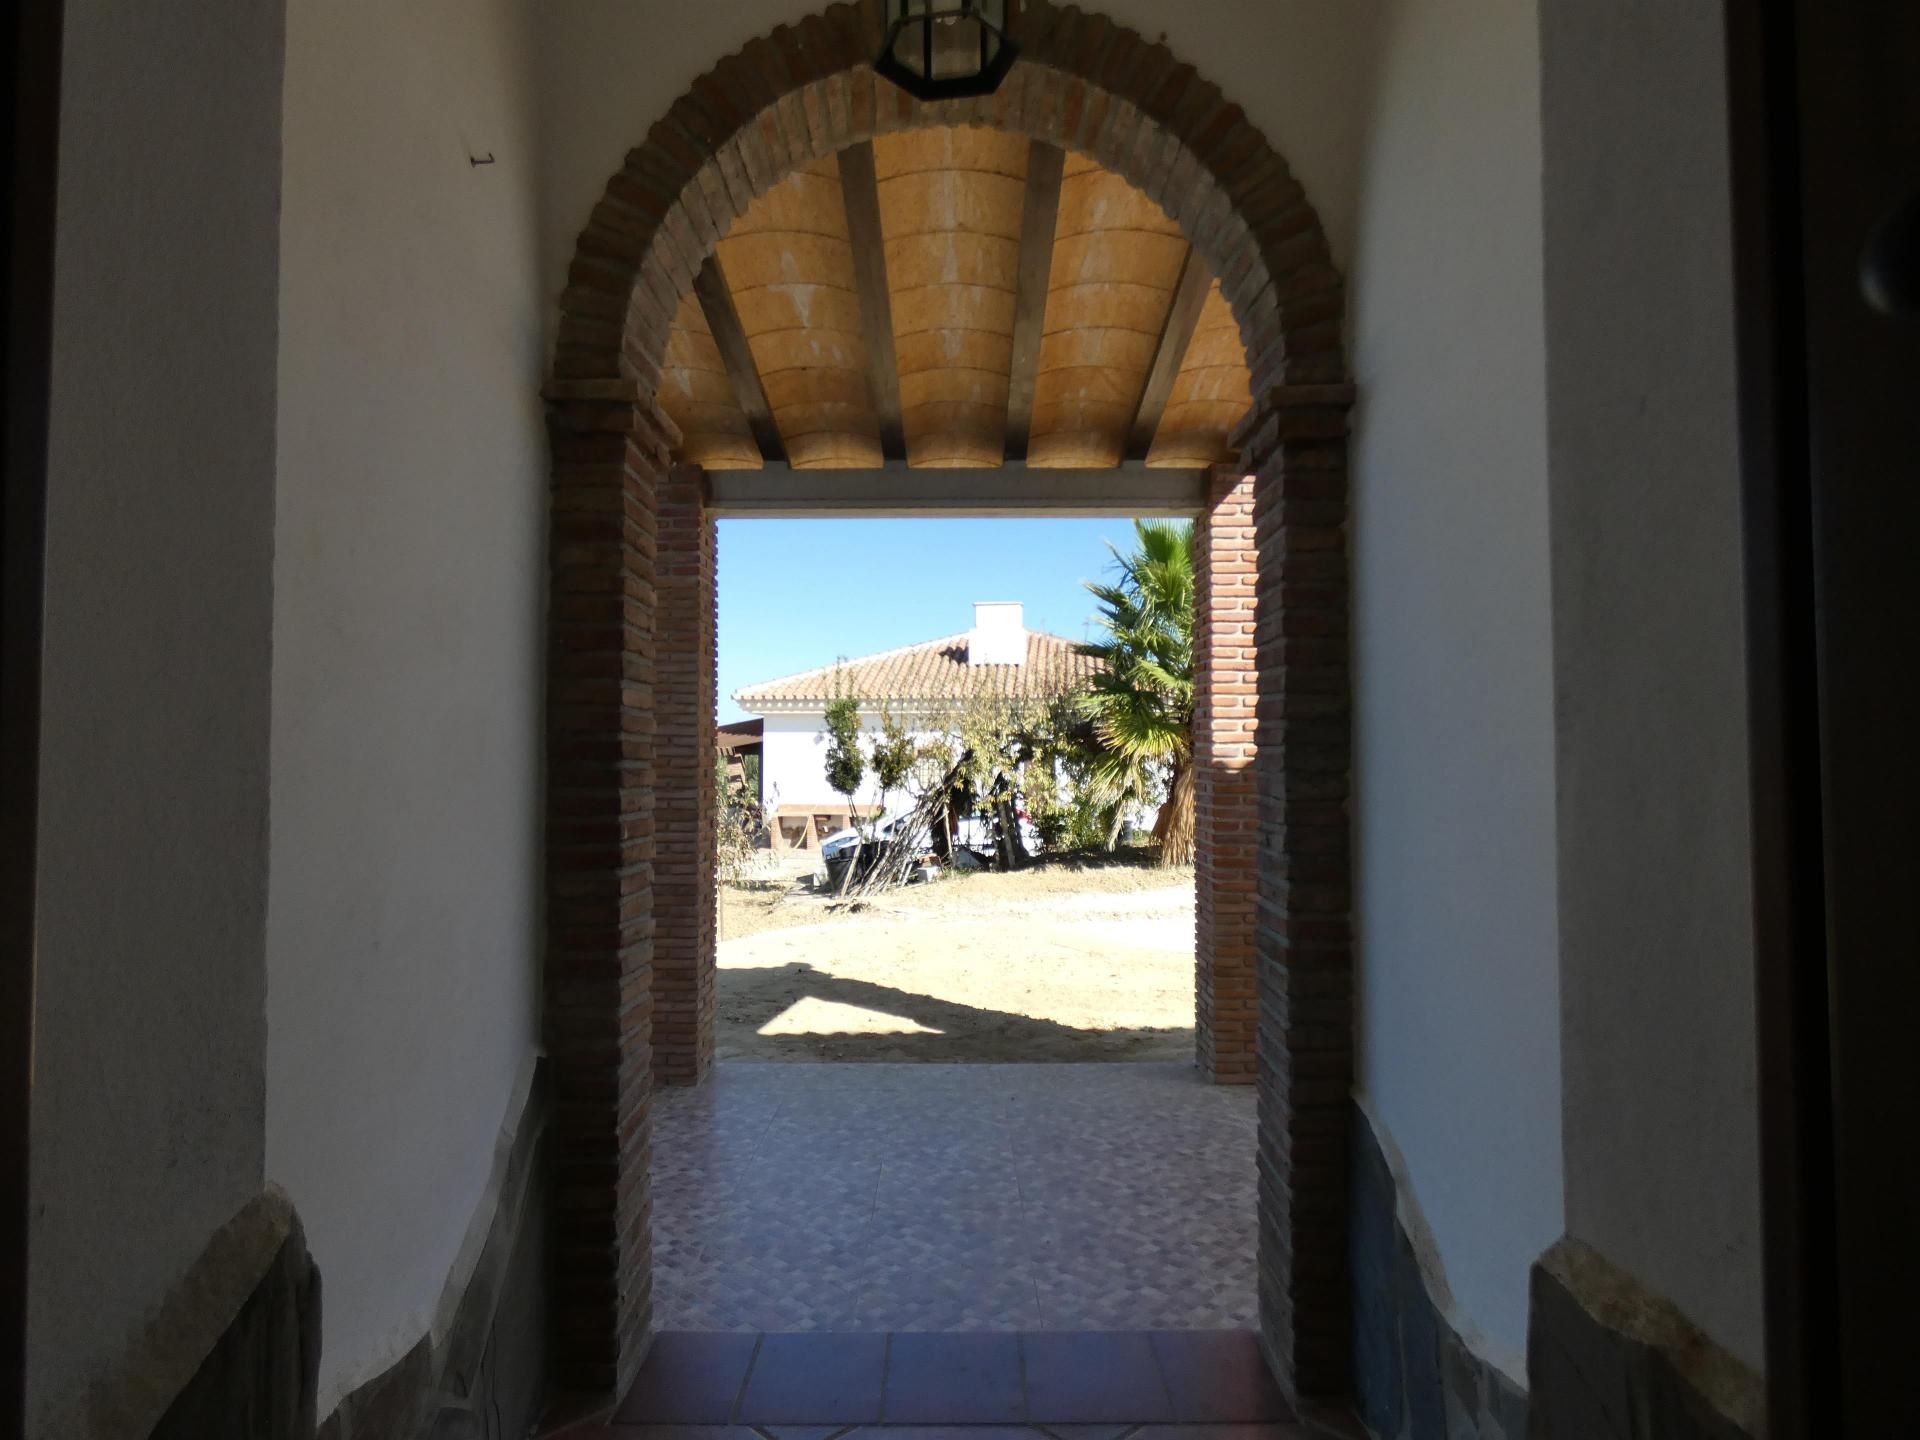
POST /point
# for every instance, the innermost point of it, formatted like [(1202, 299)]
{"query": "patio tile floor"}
[(880, 1198)]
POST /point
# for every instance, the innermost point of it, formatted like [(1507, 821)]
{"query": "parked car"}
[(842, 839), (846, 848)]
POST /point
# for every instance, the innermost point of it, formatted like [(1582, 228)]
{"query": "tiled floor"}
[(1207, 1385), (880, 1198)]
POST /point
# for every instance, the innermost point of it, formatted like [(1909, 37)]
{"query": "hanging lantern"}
[(947, 49)]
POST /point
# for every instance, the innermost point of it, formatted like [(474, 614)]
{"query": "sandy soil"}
[(1060, 962)]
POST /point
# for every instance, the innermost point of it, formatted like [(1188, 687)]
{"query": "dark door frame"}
[(30, 154), (1826, 141)]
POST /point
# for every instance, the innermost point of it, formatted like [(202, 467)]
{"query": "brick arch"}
[(1082, 83), (631, 558)]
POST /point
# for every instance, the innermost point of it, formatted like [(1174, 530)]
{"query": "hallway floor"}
[(1206, 1385), (906, 1197)]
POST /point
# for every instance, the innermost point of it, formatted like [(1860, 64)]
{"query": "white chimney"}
[(999, 634)]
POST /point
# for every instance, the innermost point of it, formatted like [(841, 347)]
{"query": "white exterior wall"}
[(1662, 1154), (405, 917), (1454, 812), (149, 1020), (793, 761)]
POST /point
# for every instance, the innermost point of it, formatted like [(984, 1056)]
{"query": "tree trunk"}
[(1013, 850), (1173, 828)]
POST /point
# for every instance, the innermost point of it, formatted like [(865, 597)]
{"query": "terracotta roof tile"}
[(934, 670)]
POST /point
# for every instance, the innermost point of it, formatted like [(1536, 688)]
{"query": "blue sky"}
[(795, 594)]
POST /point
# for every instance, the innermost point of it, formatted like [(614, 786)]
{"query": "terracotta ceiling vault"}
[(955, 298)]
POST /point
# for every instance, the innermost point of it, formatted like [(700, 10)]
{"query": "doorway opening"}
[(989, 885), (629, 1000)]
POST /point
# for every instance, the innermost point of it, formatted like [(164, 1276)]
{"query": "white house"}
[(922, 685)]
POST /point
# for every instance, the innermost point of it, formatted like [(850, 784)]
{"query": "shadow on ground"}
[(751, 999)]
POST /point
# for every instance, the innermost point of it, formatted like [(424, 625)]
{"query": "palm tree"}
[(1140, 701)]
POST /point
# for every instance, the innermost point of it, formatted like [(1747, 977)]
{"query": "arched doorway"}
[(627, 529)]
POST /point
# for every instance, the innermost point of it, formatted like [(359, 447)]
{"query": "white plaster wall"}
[(404, 923), (1454, 803), (150, 1012), (794, 761), (1661, 1112), (610, 68)]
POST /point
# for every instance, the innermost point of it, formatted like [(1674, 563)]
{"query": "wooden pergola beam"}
[(999, 490), (716, 303), (1040, 214), (1175, 336), (860, 191)]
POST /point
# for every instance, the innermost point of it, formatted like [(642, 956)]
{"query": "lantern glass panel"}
[(957, 47), (948, 46)]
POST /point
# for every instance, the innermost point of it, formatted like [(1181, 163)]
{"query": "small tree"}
[(893, 754), (930, 781), (998, 738), (846, 762), (738, 824), (1070, 810)]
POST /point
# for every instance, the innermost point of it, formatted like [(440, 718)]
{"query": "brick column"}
[(1295, 445), (684, 802), (1226, 796), (610, 451)]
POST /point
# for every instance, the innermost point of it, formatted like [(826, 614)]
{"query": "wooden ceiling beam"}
[(1175, 336), (716, 303), (1040, 215), (860, 190), (993, 490)]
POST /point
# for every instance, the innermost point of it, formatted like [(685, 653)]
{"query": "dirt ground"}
[(1064, 961)]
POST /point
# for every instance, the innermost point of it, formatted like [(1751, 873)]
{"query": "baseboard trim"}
[(480, 1370), (235, 1342), (1610, 1360), (1414, 1373)]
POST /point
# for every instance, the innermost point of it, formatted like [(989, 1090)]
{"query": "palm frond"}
[(1139, 703)]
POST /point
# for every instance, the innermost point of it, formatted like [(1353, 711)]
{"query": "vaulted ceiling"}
[(954, 297)]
